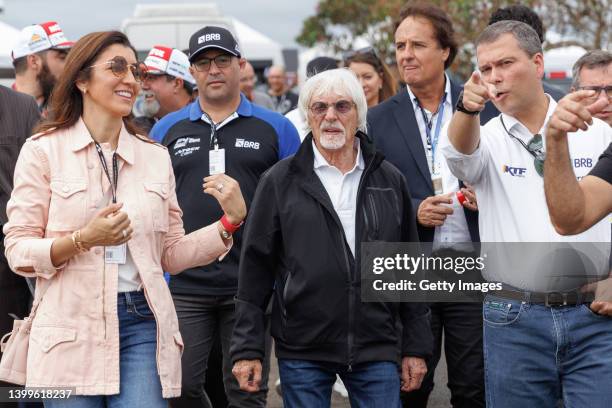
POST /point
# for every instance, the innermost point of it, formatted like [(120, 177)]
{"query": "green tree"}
[(338, 22)]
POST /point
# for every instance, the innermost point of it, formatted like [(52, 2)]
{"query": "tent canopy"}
[(9, 36)]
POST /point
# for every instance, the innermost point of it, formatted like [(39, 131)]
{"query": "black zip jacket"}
[(294, 247)]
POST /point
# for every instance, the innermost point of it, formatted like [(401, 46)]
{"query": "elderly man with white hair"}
[(302, 242)]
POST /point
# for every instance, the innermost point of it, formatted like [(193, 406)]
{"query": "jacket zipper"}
[(374, 214), (285, 290), (351, 303)]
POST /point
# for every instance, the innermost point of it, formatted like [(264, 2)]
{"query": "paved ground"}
[(440, 398)]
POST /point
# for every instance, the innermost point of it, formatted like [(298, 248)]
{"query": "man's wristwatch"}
[(462, 108), (228, 228)]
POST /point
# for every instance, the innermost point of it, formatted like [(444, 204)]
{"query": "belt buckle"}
[(555, 299)]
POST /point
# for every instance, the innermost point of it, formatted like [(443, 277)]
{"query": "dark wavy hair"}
[(66, 101), (441, 22)]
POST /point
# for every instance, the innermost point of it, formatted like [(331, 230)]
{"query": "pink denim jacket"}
[(59, 186)]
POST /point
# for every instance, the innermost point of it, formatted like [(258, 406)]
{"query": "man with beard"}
[(38, 59), (220, 132), (302, 245), (169, 85)]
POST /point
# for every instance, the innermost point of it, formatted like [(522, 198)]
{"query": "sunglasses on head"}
[(362, 51), (119, 67)]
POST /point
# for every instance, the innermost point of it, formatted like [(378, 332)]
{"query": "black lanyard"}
[(214, 142), (535, 154), (113, 183)]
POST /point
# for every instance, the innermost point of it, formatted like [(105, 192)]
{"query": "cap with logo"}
[(212, 37), (40, 37), (166, 60)]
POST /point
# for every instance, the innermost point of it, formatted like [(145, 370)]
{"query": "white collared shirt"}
[(342, 189), (455, 228), (511, 202)]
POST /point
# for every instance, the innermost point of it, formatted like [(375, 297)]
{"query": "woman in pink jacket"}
[(94, 217)]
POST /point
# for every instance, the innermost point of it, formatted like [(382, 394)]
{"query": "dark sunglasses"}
[(119, 67), (535, 147), (342, 107), (221, 61)]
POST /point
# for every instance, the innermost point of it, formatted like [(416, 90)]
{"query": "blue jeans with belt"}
[(537, 355), (140, 385)]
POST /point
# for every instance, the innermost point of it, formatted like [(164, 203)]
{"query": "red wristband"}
[(228, 226), (461, 198)]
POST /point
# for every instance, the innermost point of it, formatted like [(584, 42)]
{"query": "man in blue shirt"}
[(246, 141)]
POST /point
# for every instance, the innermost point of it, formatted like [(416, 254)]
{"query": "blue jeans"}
[(140, 385), (309, 383), (536, 355)]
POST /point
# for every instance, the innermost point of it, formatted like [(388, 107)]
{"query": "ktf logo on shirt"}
[(514, 171), (247, 144)]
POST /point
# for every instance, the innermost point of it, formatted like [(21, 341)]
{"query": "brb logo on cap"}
[(514, 171), (209, 37)]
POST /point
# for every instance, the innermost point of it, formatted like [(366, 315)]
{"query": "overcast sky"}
[(280, 20)]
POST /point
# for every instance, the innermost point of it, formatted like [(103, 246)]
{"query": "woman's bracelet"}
[(76, 241)]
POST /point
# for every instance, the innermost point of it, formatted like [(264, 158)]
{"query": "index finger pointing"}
[(579, 95)]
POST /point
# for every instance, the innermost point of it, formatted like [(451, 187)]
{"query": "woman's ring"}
[(125, 234), (220, 187)]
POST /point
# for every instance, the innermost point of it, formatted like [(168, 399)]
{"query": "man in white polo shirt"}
[(539, 346)]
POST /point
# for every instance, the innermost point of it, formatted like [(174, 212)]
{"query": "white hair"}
[(340, 81)]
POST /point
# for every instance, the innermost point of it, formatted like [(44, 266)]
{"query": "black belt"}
[(549, 299)]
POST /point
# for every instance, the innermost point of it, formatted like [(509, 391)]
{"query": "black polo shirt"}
[(254, 139), (603, 168)]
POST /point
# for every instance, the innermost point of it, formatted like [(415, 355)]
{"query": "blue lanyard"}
[(433, 143)]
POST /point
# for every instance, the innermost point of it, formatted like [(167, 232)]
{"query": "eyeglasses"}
[(607, 90), (535, 147), (341, 107), (119, 67), (221, 61)]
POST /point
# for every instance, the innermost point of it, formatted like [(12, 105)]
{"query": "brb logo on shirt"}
[(247, 144), (514, 171), (583, 162)]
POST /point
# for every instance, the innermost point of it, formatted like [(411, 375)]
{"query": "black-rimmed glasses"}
[(221, 61), (607, 90)]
